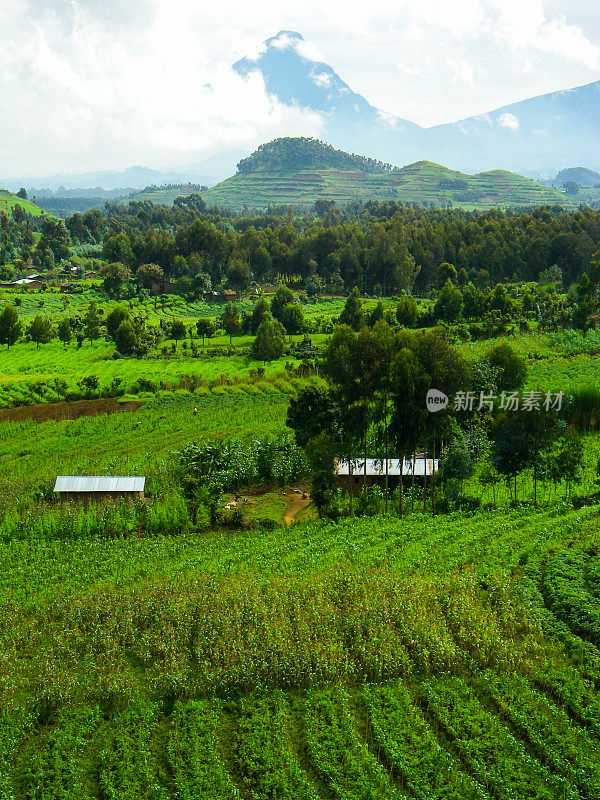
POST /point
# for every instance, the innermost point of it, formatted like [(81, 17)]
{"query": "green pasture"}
[(56, 305), (556, 362), (8, 201), (28, 373), (161, 195), (33, 453)]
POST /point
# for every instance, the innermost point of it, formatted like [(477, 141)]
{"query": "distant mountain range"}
[(536, 137), (96, 184), (299, 171)]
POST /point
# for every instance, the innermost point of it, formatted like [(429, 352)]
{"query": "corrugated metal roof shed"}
[(100, 483), (376, 467)]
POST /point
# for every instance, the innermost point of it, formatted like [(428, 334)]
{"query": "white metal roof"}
[(376, 467), (99, 483)]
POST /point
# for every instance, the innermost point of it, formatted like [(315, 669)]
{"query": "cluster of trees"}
[(16, 240), (306, 153), (208, 469), (270, 323), (375, 406), (462, 300), (379, 247), (131, 335)]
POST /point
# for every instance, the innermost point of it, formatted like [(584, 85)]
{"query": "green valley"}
[(255, 624)]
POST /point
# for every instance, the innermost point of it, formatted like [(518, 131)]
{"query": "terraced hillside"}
[(422, 182), (8, 201), (372, 658)]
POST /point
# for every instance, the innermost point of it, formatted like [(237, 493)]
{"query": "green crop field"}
[(8, 201), (370, 658), (27, 374), (422, 182)]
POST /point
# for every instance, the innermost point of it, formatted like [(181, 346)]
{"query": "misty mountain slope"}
[(298, 171), (294, 78), (537, 136), (208, 171)]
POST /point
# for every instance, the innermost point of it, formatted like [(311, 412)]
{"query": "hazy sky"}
[(104, 84)]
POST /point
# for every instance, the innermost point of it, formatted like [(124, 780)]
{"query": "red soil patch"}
[(74, 410)]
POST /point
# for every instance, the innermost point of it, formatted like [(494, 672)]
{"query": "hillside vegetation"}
[(8, 201), (165, 195), (246, 631), (305, 153), (581, 175), (301, 171)]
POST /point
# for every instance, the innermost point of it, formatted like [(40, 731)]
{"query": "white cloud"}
[(76, 95), (570, 42), (389, 120), (89, 84), (508, 120), (320, 78), (307, 50), (462, 71), (283, 40)]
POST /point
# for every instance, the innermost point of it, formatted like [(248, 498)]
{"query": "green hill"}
[(164, 195), (581, 175), (8, 201), (300, 171)]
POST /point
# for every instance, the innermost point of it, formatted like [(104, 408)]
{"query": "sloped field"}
[(8, 201), (423, 182), (373, 658)]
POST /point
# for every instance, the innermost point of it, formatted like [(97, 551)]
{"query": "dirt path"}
[(295, 504)]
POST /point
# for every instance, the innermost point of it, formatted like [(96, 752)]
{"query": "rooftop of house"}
[(376, 467), (100, 483)]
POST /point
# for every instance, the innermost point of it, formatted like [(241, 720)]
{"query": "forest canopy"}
[(306, 153)]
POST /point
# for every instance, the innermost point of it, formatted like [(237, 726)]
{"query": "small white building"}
[(352, 475), (99, 487)]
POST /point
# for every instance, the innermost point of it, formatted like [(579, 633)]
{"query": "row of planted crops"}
[(368, 659), (446, 737)]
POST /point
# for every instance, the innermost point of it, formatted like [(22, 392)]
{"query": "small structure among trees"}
[(86, 488), (352, 476)]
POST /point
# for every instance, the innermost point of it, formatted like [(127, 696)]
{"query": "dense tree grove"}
[(307, 153), (378, 247), (375, 405)]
